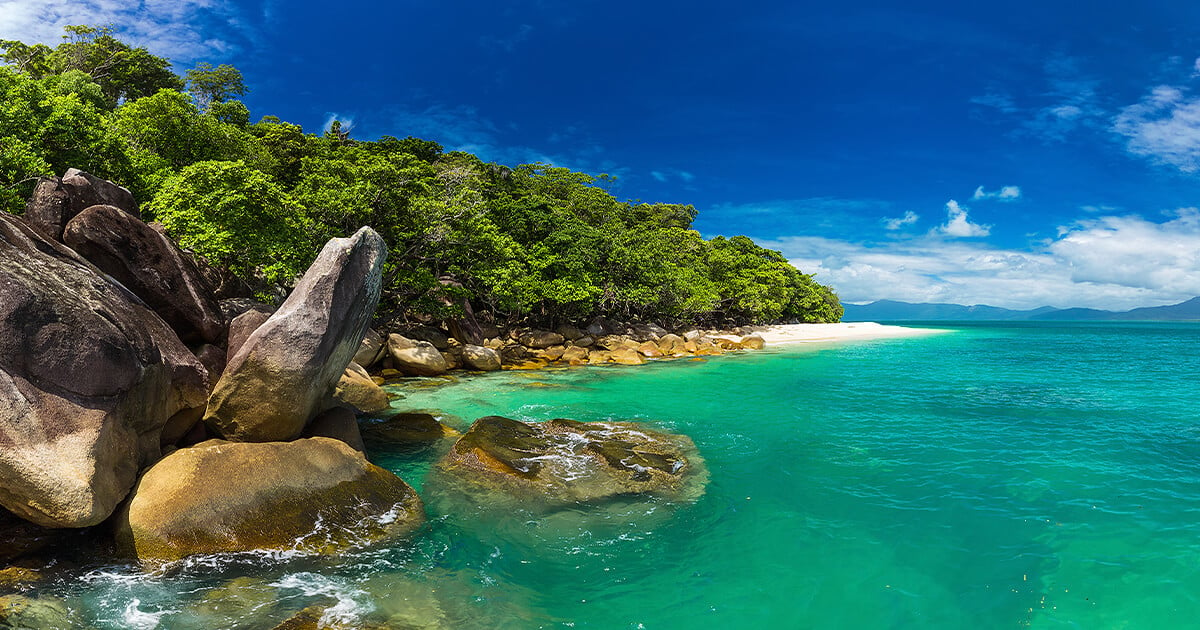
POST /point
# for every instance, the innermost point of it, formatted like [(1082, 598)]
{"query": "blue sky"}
[(1016, 154)]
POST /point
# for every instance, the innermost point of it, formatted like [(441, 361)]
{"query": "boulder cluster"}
[(430, 351), (130, 394)]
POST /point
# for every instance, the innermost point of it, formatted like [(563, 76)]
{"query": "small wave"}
[(138, 619), (352, 602)]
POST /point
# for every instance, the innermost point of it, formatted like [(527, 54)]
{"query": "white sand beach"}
[(814, 333)]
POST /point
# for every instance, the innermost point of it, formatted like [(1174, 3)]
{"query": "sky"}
[(1017, 154)]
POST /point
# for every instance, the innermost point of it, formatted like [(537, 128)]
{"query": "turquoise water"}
[(999, 476)]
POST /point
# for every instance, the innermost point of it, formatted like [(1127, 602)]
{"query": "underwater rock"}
[(34, 613), (314, 495), (407, 428), (564, 461)]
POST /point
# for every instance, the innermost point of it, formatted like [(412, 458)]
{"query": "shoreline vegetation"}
[(191, 306)]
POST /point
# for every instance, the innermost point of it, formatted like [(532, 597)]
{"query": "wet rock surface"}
[(314, 495), (565, 461)]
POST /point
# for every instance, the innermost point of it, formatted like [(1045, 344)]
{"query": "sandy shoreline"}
[(815, 333)]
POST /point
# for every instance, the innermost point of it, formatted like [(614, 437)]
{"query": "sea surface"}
[(1015, 475)]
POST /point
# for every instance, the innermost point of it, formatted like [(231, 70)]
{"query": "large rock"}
[(151, 266), (280, 377), (35, 613), (481, 358), (564, 461), (88, 378), (415, 358), (314, 495), (56, 201), (541, 339)]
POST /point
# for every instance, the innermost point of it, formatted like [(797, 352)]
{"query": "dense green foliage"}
[(260, 199)]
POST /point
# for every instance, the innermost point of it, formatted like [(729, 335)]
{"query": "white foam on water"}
[(138, 619), (352, 602)]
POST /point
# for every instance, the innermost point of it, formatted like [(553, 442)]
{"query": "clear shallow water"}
[(1015, 475)]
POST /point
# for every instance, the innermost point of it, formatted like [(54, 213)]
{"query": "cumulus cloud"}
[(1006, 193), (183, 30), (909, 218), (1164, 127), (957, 224), (1113, 262)]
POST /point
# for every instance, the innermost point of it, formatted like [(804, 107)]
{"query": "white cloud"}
[(183, 30), (1164, 127), (658, 175), (957, 224), (909, 218), (1006, 193), (1112, 263)]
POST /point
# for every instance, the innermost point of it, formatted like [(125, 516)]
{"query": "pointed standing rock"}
[(281, 376)]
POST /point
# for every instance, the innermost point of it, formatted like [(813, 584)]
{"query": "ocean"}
[(1000, 475)]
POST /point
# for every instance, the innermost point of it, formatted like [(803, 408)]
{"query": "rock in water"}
[(416, 358), (314, 495), (564, 461), (151, 266), (88, 378), (280, 377), (481, 358)]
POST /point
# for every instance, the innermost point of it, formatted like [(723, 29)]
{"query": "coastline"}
[(792, 334)]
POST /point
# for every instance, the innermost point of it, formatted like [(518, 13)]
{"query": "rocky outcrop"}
[(409, 428), (314, 495), (415, 358), (338, 423), (565, 462), (56, 201), (280, 377), (480, 358), (151, 266), (88, 376)]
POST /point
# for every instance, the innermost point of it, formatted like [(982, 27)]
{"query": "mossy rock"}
[(565, 461), (315, 495)]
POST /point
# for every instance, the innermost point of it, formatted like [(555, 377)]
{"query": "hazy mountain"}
[(890, 310)]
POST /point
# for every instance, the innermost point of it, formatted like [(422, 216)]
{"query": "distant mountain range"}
[(889, 310)]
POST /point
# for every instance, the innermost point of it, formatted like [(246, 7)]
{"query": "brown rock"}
[(357, 389), (407, 428), (753, 342), (213, 359), (563, 462), (416, 358), (585, 341), (371, 350), (314, 495), (439, 339), (553, 353), (88, 376), (650, 350), (569, 332), (299, 354), (56, 201), (151, 266), (596, 357), (626, 356), (575, 355), (338, 423), (541, 339), (481, 358), (244, 325)]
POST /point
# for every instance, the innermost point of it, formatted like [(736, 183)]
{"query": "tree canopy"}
[(532, 240)]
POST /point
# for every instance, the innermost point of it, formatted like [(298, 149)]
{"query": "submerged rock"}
[(88, 378), (313, 495), (282, 375), (408, 428), (34, 613), (564, 461)]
